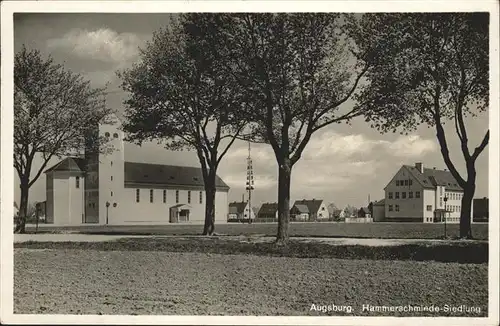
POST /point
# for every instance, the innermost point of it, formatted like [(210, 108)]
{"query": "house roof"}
[(312, 205), (301, 208), (146, 173), (379, 202), (237, 207), (434, 177), (268, 208), (75, 164), (337, 212)]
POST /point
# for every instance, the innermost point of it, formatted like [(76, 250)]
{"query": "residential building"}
[(268, 211), (102, 188), (338, 214), (364, 212), (239, 211), (480, 209), (419, 194), (299, 212), (316, 210), (379, 210)]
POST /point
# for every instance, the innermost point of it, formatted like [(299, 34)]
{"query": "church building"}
[(105, 189)]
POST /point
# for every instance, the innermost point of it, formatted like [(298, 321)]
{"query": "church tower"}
[(104, 181)]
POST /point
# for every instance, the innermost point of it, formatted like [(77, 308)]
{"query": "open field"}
[(418, 250), (324, 229), (160, 282)]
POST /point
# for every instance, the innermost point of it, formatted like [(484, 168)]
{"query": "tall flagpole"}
[(249, 184)]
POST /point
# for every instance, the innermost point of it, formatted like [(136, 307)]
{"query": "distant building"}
[(240, 211), (105, 189), (379, 210), (316, 210), (417, 194), (338, 214), (268, 211), (364, 212), (299, 212), (480, 210)]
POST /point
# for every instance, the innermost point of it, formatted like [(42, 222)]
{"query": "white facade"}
[(102, 195), (416, 194)]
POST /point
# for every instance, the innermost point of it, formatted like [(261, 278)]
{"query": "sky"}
[(342, 164)]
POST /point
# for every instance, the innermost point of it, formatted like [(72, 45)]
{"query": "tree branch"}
[(481, 147)]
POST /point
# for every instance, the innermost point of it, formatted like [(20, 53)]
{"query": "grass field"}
[(449, 251), (161, 282), (354, 230)]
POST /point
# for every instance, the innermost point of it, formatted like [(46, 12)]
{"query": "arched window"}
[(106, 134), (115, 135)]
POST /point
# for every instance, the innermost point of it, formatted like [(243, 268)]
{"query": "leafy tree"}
[(53, 111), (428, 69), (179, 95), (296, 71), (351, 211)]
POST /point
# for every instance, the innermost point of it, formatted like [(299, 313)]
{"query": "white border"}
[(7, 171)]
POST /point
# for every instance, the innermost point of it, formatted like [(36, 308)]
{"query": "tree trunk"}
[(284, 179), (210, 190), (466, 210), (23, 208)]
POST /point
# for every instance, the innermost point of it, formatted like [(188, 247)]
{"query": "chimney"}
[(419, 166)]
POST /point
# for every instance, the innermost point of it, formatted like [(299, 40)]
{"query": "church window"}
[(201, 197), (111, 194), (111, 163), (106, 134), (78, 182), (111, 178), (137, 195), (177, 196), (151, 195), (189, 197), (164, 195), (115, 135)]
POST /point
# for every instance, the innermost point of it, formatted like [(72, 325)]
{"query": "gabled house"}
[(268, 211), (299, 212), (417, 194), (240, 211), (316, 209)]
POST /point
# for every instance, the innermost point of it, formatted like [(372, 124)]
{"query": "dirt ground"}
[(166, 283)]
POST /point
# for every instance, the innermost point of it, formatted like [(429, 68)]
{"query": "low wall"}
[(358, 220)]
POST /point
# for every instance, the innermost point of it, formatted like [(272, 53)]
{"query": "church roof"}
[(69, 164), (146, 173)]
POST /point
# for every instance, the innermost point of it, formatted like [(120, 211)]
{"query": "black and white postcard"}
[(250, 162)]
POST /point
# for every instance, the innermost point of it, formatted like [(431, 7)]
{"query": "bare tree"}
[(53, 112)]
